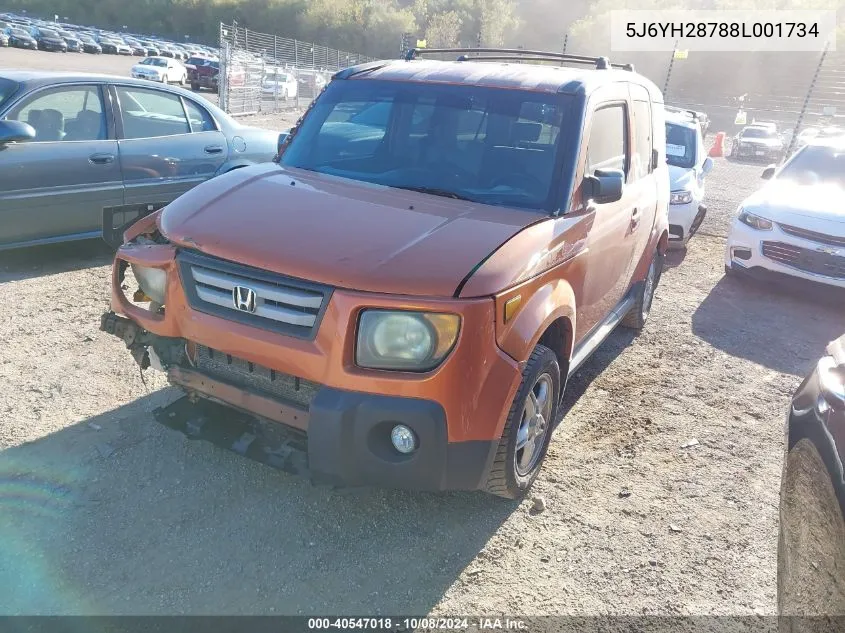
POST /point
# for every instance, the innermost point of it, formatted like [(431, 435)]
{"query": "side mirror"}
[(605, 185), (15, 132), (707, 166), (283, 137), (768, 172)]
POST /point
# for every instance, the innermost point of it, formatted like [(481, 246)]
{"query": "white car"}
[(279, 83), (161, 69), (688, 165), (795, 224)]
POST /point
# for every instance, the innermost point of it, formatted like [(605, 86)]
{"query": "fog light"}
[(403, 439), (742, 253)]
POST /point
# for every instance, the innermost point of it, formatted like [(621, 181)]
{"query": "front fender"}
[(542, 301)]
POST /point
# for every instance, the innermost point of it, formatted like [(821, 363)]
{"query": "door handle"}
[(213, 149), (101, 159), (635, 218)]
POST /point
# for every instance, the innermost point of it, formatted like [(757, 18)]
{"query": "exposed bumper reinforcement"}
[(348, 439)]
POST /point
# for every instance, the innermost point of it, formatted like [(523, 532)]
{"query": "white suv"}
[(688, 165)]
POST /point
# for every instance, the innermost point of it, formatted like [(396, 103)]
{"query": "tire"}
[(811, 542), (513, 470), (638, 314), (195, 87)]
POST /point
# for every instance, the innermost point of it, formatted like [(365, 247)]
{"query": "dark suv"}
[(405, 294)]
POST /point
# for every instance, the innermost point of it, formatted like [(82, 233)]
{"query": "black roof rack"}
[(517, 54)]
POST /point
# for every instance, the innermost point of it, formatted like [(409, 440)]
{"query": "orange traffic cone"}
[(718, 149)]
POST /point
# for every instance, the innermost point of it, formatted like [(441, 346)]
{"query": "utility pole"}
[(669, 71), (807, 98)]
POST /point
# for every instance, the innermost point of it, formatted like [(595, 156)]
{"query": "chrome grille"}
[(289, 306), (242, 373), (805, 259), (813, 236)]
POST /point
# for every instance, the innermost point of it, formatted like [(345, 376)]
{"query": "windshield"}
[(48, 33), (487, 145), (20, 33), (7, 89), (680, 146), (757, 132), (816, 165), (154, 61)]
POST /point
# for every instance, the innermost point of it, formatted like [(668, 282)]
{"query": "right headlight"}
[(755, 221), (404, 340), (153, 281)]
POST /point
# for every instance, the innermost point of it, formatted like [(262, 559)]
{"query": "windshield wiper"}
[(434, 191)]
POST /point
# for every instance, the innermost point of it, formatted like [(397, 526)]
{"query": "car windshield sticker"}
[(675, 150)]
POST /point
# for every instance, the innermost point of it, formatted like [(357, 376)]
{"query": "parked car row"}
[(26, 32)]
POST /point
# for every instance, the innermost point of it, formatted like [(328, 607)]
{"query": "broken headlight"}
[(153, 281)]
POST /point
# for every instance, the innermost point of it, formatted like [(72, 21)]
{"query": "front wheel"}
[(528, 429), (638, 314)]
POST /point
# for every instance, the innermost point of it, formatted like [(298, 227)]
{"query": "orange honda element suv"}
[(400, 297)]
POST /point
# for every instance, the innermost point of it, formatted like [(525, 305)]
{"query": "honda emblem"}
[(244, 298)]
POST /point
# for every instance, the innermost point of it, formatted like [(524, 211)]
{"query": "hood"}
[(340, 232), (680, 177), (819, 208)]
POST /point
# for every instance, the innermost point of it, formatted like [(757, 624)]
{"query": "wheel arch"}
[(547, 316)]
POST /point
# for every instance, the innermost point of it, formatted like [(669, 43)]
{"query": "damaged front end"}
[(145, 285), (148, 350)]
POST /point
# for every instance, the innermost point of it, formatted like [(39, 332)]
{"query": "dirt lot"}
[(104, 511)]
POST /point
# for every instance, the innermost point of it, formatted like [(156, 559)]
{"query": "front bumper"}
[(744, 253), (347, 434), (310, 383), (751, 152), (682, 217)]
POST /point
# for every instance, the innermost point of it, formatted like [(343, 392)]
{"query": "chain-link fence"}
[(268, 73), (793, 90)]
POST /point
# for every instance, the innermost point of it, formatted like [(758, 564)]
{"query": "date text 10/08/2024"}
[(424, 623), (722, 29)]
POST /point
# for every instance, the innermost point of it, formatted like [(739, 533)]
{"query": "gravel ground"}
[(102, 510)]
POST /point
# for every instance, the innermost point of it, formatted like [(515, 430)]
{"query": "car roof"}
[(680, 118), (519, 76), (32, 79)]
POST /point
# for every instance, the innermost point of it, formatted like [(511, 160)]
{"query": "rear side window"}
[(200, 119), (608, 145), (149, 113), (641, 159)]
